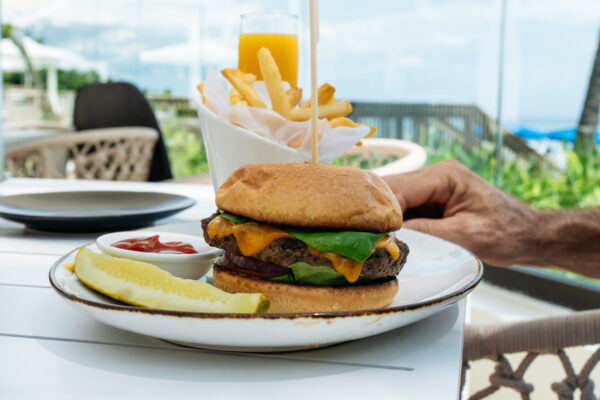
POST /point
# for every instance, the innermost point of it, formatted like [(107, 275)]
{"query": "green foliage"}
[(358, 161), (538, 184), (7, 30), (571, 275), (13, 78), (72, 79), (67, 80), (183, 111), (577, 186), (186, 149)]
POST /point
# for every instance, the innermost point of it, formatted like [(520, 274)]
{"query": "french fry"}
[(343, 121), (273, 82), (235, 97), (299, 139), (200, 88), (324, 93), (286, 103), (373, 130), (250, 78), (237, 79), (329, 111), (296, 142), (294, 96)]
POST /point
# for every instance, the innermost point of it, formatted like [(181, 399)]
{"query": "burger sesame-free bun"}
[(291, 298), (312, 196)]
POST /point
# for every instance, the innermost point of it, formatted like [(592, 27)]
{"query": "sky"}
[(413, 51)]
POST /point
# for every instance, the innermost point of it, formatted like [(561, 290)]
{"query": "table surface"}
[(50, 350), (13, 137)]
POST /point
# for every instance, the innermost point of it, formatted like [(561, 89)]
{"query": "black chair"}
[(109, 105)]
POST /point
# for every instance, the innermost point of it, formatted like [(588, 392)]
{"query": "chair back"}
[(120, 104), (535, 338), (108, 154), (386, 156)]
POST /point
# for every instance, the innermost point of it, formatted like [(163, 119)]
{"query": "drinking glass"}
[(276, 31)]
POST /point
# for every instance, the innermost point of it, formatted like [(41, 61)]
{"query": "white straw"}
[(314, 105)]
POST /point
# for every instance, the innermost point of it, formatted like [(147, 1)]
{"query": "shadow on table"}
[(397, 350), (384, 349)]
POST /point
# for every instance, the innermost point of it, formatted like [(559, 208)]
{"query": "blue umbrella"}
[(567, 135)]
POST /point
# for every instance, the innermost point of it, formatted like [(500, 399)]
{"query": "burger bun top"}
[(316, 196)]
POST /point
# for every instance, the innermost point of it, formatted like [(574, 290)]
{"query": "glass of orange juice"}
[(276, 31)]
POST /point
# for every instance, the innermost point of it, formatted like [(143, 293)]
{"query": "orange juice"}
[(283, 47)]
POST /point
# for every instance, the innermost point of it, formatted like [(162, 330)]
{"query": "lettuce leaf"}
[(352, 244), (306, 274), (236, 218), (355, 245)]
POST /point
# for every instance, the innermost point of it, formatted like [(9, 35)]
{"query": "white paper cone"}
[(229, 147), (236, 135)]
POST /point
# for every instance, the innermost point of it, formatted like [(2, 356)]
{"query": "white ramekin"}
[(188, 266)]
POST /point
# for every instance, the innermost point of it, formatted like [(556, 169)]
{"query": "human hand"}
[(449, 201)]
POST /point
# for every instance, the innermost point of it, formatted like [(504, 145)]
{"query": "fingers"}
[(432, 185), (435, 227), (446, 228)]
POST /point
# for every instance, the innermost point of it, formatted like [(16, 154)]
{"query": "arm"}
[(449, 201), (570, 240)]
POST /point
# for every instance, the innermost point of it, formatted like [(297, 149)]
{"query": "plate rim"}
[(10, 211), (451, 298)]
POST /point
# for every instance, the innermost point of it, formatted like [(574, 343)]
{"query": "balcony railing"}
[(426, 124)]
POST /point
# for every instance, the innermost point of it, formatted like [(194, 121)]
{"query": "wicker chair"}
[(109, 154), (536, 337), (121, 104), (386, 156)]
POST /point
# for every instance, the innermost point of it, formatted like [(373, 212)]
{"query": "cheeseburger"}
[(312, 238)]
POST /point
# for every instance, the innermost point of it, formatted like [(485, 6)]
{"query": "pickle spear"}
[(142, 284)]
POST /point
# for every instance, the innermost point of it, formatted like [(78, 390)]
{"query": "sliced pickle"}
[(142, 284)]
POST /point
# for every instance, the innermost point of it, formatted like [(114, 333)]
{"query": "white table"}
[(19, 136), (48, 350)]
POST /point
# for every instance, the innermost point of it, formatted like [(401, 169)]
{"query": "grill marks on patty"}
[(286, 251)]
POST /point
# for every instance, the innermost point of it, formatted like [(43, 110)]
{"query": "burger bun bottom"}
[(291, 298)]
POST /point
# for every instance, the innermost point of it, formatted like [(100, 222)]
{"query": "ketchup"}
[(153, 245)]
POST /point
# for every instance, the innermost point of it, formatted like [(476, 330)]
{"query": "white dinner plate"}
[(437, 274)]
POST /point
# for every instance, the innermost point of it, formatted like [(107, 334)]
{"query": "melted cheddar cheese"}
[(388, 243), (348, 267), (252, 239)]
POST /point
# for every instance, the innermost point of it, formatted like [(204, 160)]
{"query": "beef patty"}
[(286, 251)]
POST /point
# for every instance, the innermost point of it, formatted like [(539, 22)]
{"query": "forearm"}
[(569, 240)]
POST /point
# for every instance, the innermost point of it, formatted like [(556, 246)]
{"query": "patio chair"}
[(37, 125), (109, 154), (386, 156), (109, 105), (536, 337)]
